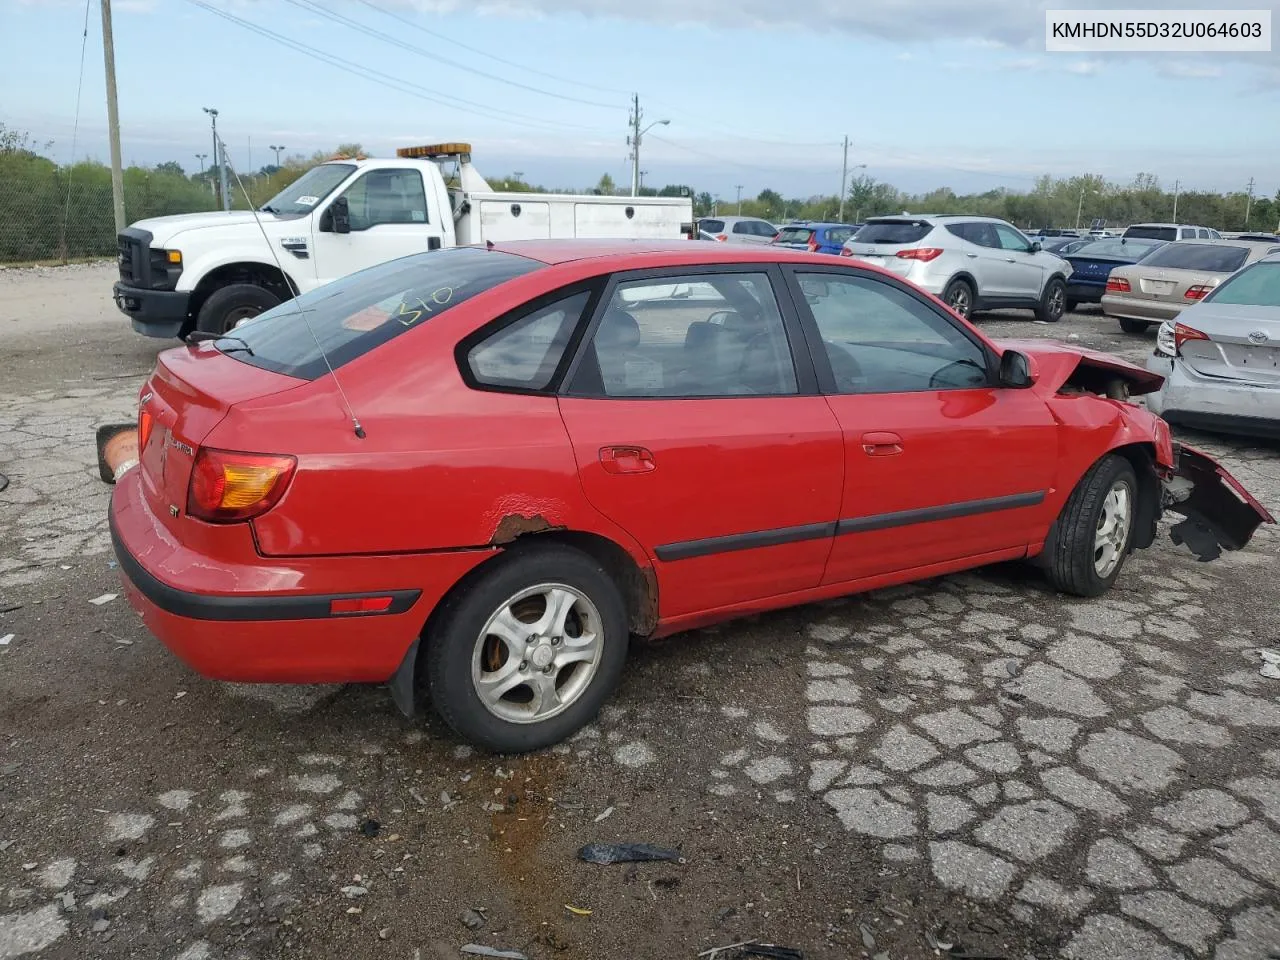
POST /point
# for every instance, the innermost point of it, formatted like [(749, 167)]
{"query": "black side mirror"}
[(339, 216), (1036, 246), (1015, 370)]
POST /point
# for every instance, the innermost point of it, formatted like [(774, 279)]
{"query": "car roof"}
[(1198, 226), (817, 223), (662, 252), (938, 217), (732, 219)]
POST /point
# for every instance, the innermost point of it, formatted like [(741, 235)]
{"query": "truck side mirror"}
[(338, 217)]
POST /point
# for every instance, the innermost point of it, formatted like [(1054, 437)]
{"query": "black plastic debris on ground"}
[(770, 950), (370, 828), (4, 482), (607, 853)]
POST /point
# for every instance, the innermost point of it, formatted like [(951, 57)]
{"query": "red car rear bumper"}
[(282, 636)]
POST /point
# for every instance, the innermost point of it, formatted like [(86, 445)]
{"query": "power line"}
[(572, 81), (312, 7), (387, 80), (717, 159)]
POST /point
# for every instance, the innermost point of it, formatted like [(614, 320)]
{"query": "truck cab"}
[(210, 271)]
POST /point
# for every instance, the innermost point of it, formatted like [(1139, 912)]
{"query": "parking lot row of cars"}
[(1216, 299)]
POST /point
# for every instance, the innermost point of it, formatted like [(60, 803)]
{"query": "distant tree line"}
[(56, 212)]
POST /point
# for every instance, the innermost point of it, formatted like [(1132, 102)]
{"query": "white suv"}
[(971, 263)]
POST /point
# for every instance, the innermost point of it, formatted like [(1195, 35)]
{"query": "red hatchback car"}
[(476, 473)]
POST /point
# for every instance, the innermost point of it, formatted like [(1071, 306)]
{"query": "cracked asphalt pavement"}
[(972, 761)]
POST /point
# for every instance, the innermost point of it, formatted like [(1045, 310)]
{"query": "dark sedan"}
[(1092, 263)]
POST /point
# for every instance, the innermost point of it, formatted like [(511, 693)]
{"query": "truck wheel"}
[(227, 306), (1133, 326), (1095, 529), (526, 655)]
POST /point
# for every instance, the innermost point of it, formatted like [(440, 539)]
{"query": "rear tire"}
[(959, 296), (1134, 326), (227, 306), (469, 661), (1095, 529), (1053, 301)]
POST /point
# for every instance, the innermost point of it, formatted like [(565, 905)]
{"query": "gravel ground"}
[(972, 761)]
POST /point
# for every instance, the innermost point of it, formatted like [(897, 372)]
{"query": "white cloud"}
[(1084, 68), (1189, 71)]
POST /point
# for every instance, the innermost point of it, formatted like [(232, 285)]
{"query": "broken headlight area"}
[(1220, 514)]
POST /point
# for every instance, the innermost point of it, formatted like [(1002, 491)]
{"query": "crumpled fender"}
[(1220, 513), (1061, 364)]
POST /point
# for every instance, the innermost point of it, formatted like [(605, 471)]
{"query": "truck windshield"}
[(300, 197)]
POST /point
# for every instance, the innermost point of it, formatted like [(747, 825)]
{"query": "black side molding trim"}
[(744, 541), (949, 511), (200, 606)]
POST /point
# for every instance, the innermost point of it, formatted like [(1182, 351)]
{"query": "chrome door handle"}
[(1010, 260), (972, 256)]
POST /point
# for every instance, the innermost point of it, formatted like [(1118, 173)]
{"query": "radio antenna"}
[(302, 312)]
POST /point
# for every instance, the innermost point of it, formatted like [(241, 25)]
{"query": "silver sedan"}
[(1221, 357)]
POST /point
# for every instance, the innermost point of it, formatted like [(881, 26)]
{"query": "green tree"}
[(605, 186)]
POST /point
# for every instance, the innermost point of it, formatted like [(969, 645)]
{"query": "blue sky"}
[(759, 93)]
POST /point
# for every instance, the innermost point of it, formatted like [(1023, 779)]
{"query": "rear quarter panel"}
[(441, 467)]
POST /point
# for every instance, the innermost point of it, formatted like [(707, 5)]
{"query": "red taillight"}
[(1182, 333), (350, 605), (722, 237), (1118, 285), (145, 422), (813, 244), (920, 253), (1198, 292), (846, 252), (227, 486)]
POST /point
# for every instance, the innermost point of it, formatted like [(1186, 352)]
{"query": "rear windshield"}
[(300, 197), (711, 226), (1256, 286), (352, 316), (1198, 256), (795, 235), (893, 231), (1152, 233), (1127, 249)]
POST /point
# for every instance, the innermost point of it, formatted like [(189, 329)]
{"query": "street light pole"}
[(201, 157), (278, 151), (633, 141), (1079, 208), (113, 117), (738, 187)]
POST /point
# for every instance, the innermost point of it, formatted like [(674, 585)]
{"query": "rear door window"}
[(838, 235), (893, 231), (360, 312), (1198, 256), (744, 226)]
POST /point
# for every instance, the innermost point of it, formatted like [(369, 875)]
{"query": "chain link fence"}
[(52, 213)]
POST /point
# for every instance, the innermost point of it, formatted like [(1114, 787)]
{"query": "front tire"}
[(1133, 326), (1053, 301), (1095, 529), (227, 306), (959, 296), (526, 655)]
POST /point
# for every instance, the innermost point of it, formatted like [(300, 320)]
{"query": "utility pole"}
[(113, 117), (278, 151), (219, 159), (633, 141), (1248, 204), (1176, 185), (738, 187), (844, 178), (1079, 208)]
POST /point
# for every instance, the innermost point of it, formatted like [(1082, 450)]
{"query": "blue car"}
[(816, 237), (1093, 261)]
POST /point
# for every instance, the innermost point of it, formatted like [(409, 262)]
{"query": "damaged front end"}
[(1220, 513)]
